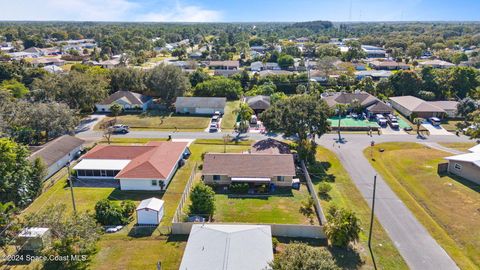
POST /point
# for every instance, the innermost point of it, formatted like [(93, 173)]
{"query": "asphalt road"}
[(413, 241)]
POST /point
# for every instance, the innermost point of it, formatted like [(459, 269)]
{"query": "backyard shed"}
[(33, 238), (150, 212)]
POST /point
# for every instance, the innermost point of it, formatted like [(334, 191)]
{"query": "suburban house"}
[(150, 212), (466, 165), (57, 153), (228, 247), (370, 103), (265, 73), (47, 61), (437, 63), (228, 65), (449, 106), (255, 169), (136, 167), (410, 105), (128, 100), (388, 65), (374, 52), (200, 105), (111, 63), (258, 103)]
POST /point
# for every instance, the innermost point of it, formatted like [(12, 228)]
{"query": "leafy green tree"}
[(466, 106), (285, 61), (19, 180), (167, 82), (300, 256), (71, 235), (127, 79), (355, 51), (404, 83), (463, 81), (327, 50), (324, 188), (18, 89), (108, 212), (7, 211), (219, 87), (203, 200), (474, 132), (342, 226), (198, 76)]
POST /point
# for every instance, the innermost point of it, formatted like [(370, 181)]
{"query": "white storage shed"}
[(150, 212)]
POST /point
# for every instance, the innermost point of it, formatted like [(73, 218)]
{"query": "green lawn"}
[(229, 117), (159, 121), (278, 208), (446, 206), (450, 125), (345, 194)]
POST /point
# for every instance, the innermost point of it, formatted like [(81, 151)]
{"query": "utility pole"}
[(371, 222), (71, 188)]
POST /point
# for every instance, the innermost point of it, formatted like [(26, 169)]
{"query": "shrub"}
[(275, 243), (301, 256), (108, 212), (203, 200), (239, 188), (324, 188)]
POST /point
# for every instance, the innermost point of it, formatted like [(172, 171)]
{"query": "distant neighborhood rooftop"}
[(131, 98)]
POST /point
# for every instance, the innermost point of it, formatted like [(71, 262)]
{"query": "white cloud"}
[(182, 13)]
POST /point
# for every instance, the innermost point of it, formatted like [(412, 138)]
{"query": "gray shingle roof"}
[(55, 150), (248, 165), (133, 98), (415, 104), (200, 102), (258, 102)]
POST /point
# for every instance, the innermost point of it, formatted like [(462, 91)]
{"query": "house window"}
[(280, 178), (216, 178), (457, 167), (154, 182)]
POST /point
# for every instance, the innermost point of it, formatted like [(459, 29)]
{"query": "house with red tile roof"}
[(136, 167)]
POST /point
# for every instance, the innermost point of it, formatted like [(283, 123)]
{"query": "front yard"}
[(345, 194), (447, 206), (153, 120), (461, 146)]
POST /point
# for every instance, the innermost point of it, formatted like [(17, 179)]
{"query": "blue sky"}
[(241, 10)]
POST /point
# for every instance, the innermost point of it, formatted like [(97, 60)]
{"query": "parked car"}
[(114, 229), (120, 129), (213, 127), (434, 121), (393, 121), (253, 120), (215, 119), (217, 113), (381, 120)]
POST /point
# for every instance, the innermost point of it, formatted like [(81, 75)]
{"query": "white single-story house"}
[(449, 106), (200, 105), (466, 165), (34, 238), (57, 153), (128, 100), (150, 212), (255, 169), (228, 247), (437, 63), (136, 167)]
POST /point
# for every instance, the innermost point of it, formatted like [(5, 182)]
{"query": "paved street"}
[(414, 243)]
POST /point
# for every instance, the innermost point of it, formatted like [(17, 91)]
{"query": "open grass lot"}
[(282, 208), (161, 121), (229, 117), (447, 206), (345, 194), (461, 146)]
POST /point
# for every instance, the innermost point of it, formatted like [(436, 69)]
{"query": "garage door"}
[(205, 110)]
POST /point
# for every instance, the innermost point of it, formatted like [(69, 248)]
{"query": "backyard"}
[(345, 194), (411, 171)]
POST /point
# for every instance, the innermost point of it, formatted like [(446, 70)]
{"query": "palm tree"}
[(418, 121), (341, 109), (244, 113)]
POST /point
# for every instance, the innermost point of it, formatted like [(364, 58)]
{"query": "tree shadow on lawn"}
[(318, 172), (469, 184), (121, 195), (346, 258)]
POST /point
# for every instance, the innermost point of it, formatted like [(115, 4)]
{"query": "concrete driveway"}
[(436, 130), (87, 123)]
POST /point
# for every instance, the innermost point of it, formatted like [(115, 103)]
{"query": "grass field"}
[(229, 117), (448, 207), (459, 146), (278, 208), (159, 121), (345, 194)]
